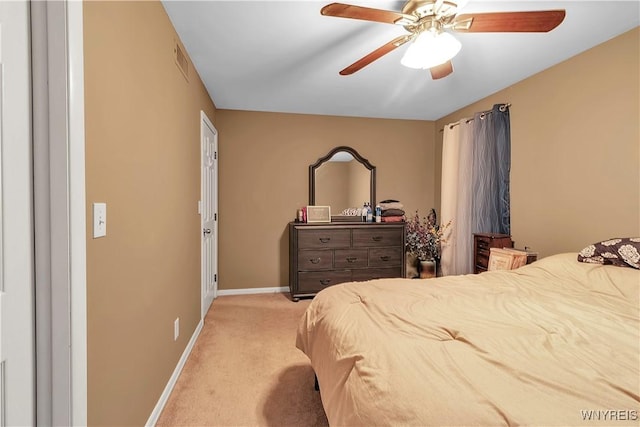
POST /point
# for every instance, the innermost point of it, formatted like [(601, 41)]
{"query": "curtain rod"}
[(502, 108)]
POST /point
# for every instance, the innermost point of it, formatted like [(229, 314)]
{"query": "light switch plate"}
[(99, 220)]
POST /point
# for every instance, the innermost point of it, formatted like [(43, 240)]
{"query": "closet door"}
[(209, 213)]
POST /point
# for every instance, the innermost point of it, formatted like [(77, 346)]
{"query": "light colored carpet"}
[(245, 370)]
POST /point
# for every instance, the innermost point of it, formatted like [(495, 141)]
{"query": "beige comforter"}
[(552, 343)]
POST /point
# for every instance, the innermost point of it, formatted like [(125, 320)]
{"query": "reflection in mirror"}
[(342, 179), (342, 182)]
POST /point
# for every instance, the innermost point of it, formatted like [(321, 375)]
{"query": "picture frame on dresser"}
[(318, 214)]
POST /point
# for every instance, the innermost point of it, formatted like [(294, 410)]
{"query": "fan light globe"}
[(430, 49)]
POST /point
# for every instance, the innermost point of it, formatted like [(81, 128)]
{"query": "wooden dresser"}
[(322, 255), (482, 244)]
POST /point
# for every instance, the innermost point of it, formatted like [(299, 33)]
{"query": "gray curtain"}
[(491, 167)]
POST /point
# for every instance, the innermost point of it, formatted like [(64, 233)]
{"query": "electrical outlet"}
[(176, 329)]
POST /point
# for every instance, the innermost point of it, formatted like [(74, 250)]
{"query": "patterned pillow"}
[(623, 252)]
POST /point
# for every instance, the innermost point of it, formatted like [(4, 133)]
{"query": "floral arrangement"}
[(425, 236)]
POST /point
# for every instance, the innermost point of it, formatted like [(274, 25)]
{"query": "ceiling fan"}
[(426, 22)]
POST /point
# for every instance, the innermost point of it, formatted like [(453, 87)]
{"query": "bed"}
[(553, 343)]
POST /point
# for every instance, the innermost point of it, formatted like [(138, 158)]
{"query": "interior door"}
[(209, 213), (17, 384)]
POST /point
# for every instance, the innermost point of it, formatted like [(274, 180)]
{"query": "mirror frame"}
[(324, 159)]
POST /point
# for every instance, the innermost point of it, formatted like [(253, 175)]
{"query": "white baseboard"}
[(249, 291), (153, 418)]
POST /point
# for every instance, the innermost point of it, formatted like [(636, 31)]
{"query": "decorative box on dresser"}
[(325, 254), (482, 244)]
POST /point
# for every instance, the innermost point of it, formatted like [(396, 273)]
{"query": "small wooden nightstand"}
[(482, 244)]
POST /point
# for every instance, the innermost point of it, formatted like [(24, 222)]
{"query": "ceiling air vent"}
[(181, 60)]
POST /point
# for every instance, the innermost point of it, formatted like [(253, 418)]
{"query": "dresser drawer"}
[(315, 260), (377, 237), (350, 258), (376, 273), (318, 280), (385, 257), (314, 239), (483, 241), (482, 261)]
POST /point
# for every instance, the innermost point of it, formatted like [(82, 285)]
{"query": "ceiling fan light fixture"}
[(429, 49), (460, 4)]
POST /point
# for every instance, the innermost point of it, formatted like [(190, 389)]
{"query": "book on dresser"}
[(323, 255)]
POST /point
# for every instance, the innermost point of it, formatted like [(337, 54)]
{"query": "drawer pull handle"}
[(325, 282), (324, 239), (376, 238), (352, 259), (314, 260), (385, 257)]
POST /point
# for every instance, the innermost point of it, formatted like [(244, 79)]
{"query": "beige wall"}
[(575, 149), (142, 158), (264, 168)]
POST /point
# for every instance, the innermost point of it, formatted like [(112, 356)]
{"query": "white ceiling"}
[(283, 56)]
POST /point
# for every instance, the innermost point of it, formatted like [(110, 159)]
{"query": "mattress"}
[(556, 342)]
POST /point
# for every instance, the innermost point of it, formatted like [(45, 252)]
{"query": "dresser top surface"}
[(347, 224), (492, 235)]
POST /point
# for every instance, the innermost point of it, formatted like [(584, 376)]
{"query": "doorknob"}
[(206, 231)]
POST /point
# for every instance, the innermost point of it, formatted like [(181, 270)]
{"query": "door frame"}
[(60, 218), (204, 121)]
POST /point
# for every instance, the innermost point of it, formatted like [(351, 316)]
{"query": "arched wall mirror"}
[(342, 179)]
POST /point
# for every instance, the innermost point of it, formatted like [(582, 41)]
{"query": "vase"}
[(427, 269)]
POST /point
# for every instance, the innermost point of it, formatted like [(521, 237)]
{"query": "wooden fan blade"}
[(365, 13), (379, 52), (510, 22), (442, 70)]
